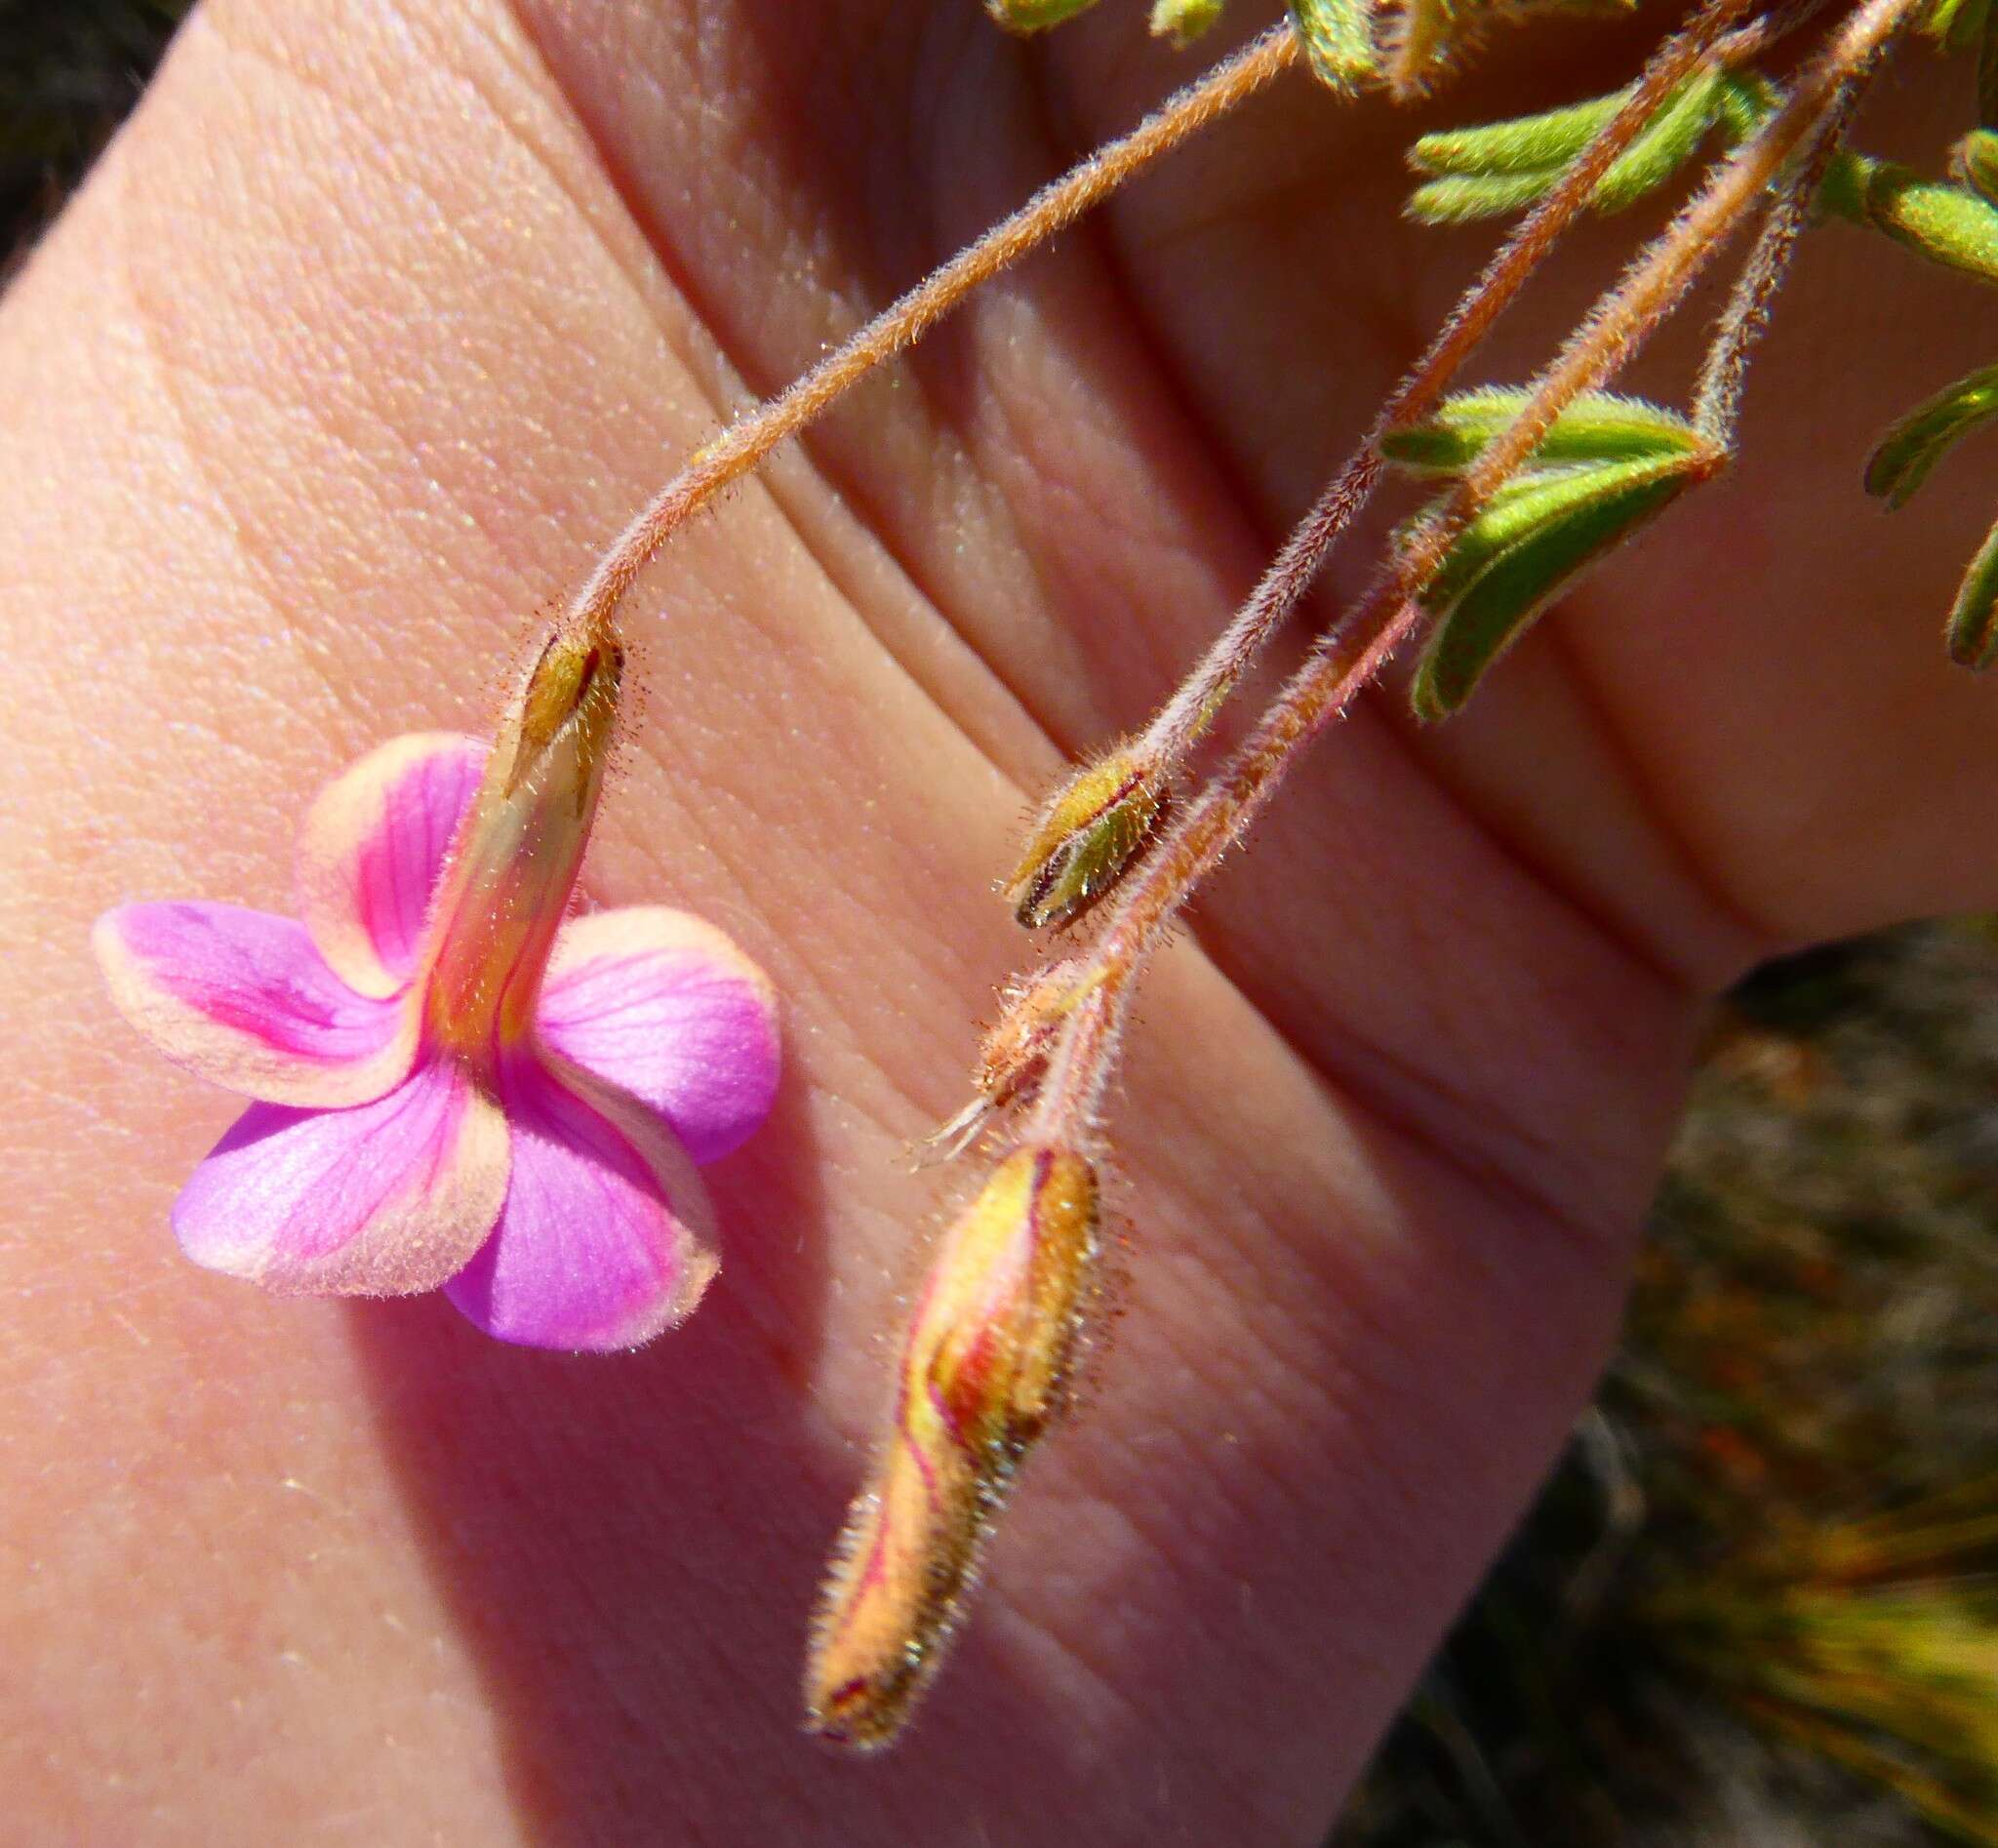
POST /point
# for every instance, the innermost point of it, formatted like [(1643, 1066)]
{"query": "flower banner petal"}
[(662, 1005), (372, 849), (386, 1199), (243, 999), (605, 1239)]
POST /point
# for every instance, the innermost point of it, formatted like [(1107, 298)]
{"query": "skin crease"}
[(369, 330)]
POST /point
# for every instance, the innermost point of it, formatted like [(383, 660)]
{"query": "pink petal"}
[(665, 1007), (386, 1199), (604, 1239), (243, 999), (370, 850)]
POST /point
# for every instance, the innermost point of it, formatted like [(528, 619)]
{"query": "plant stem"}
[(1170, 734), (1057, 205), (1347, 658), (1717, 396)]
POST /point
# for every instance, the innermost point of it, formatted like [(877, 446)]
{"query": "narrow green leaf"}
[(1746, 102), (1946, 224), (1463, 192), (1182, 21), (1522, 551), (1526, 144), (1034, 15), (1337, 36), (1598, 426), (1973, 619), (1901, 460), (1464, 199), (1975, 163), (1667, 141), (1954, 25)]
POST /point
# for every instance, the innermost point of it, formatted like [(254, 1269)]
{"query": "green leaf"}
[(1528, 144), (1182, 21), (1975, 163), (1337, 36), (1973, 619), (1598, 426), (1034, 15), (1747, 103), (1955, 24), (1903, 457), (1946, 224), (1464, 199), (1463, 190), (1533, 540), (1666, 143)]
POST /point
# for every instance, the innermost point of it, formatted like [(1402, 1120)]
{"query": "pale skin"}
[(368, 334)]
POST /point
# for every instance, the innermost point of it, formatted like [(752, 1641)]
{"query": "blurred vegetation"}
[(1757, 1604)]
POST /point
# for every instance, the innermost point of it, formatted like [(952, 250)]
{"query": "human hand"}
[(367, 335)]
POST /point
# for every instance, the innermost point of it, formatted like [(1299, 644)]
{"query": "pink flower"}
[(458, 1083)]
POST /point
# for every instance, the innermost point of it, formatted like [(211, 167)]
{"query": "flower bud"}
[(986, 1367), (1015, 1051), (521, 846), (1090, 831)]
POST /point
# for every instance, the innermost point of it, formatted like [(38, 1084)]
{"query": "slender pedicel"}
[(1165, 744), (1057, 205), (1347, 658)]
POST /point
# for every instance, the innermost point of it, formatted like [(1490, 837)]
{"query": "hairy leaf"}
[(1337, 36), (1526, 144), (1034, 15), (1182, 21), (1746, 102), (1955, 24), (1598, 426), (1946, 224), (1975, 163), (1973, 619), (1903, 457), (1663, 146), (1533, 540)]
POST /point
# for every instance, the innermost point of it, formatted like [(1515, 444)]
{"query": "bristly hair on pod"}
[(999, 1330)]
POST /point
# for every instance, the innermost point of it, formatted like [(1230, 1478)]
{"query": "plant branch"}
[(1717, 395), (1170, 734), (1353, 653), (748, 441)]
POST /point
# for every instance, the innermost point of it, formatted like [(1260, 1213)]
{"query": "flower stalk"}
[(746, 443), (1166, 742), (1353, 653)]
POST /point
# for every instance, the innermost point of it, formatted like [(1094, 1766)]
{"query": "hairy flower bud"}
[(1090, 828), (520, 848), (987, 1366)]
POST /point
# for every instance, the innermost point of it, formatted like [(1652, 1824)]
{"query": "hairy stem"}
[(1348, 658), (1717, 395), (1057, 205), (1170, 734)]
